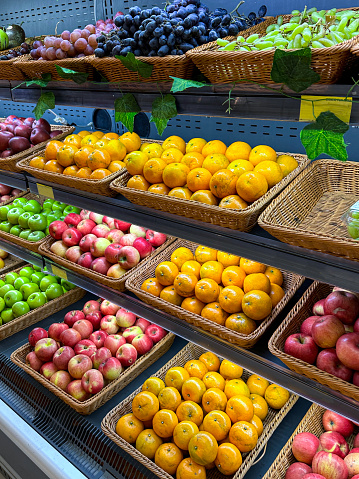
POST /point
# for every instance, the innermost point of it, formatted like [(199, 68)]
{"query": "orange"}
[(135, 162), (84, 172), (274, 275), (153, 170), (154, 385), (233, 202), (230, 370), (166, 273), (190, 411), (170, 294), (229, 459), (203, 448), (71, 170), (169, 398), (260, 406), (148, 442), (271, 171), (239, 408), (214, 312), (238, 167), (191, 267), (181, 255), (81, 156), (168, 456), (195, 145), (159, 189), (230, 299), (210, 360), (214, 399), (174, 142), (234, 387), (152, 150), (179, 192), (116, 166), (188, 469), (131, 141), (196, 368), (213, 147), (183, 433), (54, 166), (164, 422), (207, 290), (129, 427), (217, 423), (212, 270), (89, 140), (243, 435), (138, 182), (250, 266), (256, 305), (175, 174), (116, 149), (287, 164), (185, 284), (251, 186), (111, 136), (276, 294), (198, 179), (65, 155), (215, 162), (223, 183), (152, 286), (145, 405), (233, 276), (83, 133), (227, 259), (240, 323), (203, 254), (38, 162), (256, 281), (257, 423), (239, 150), (193, 305), (99, 159), (262, 153), (193, 160), (204, 196), (100, 144), (100, 173), (257, 384), (175, 377), (213, 380), (52, 148), (276, 396), (98, 134), (193, 390), (172, 155)]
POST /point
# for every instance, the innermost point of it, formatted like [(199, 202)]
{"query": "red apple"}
[(156, 333), (98, 338), (130, 333), (33, 361), (142, 323), (113, 342), (326, 330), (352, 463), (156, 239), (108, 220), (111, 369), (108, 308), (5, 190), (355, 449), (306, 326), (331, 441), (330, 465), (348, 350), (127, 355), (125, 318), (112, 252), (328, 361), (85, 346), (70, 337), (96, 217), (100, 356), (43, 124), (311, 475), (91, 306), (57, 228), (114, 236), (62, 357), (61, 379), (122, 225), (85, 214), (95, 319), (301, 347), (138, 231), (318, 307), (59, 248), (86, 242), (304, 447), (100, 265), (56, 329), (128, 257), (73, 254), (115, 271), (344, 305), (45, 349), (36, 334), (297, 470), (356, 326), (84, 327), (23, 130), (98, 247), (85, 260), (76, 390), (71, 236), (109, 324), (92, 381), (143, 246), (78, 365), (48, 369), (18, 144), (142, 343), (72, 220), (101, 231), (72, 316), (85, 227), (335, 422), (127, 240)]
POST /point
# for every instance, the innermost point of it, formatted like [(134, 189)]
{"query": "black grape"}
[(252, 16), (137, 52), (156, 11), (126, 50), (99, 53), (163, 51), (171, 40), (116, 50), (162, 40), (215, 22), (153, 43), (158, 32), (185, 47), (226, 20), (233, 29), (262, 11), (212, 35)]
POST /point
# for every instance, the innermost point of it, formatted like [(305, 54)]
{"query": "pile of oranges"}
[(91, 155), (207, 172), (202, 416), (231, 291)]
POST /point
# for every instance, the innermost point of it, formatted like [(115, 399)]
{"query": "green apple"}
[(2, 304), (48, 204), (14, 214), (67, 285), (4, 211), (5, 226), (55, 215), (19, 202), (7, 315), (47, 281), (355, 215), (46, 212), (10, 277), (15, 230), (27, 271), (11, 297), (353, 230), (4, 289), (37, 222), (2, 282), (24, 220), (54, 291), (24, 234), (20, 308), (37, 277), (71, 209), (20, 281), (33, 206), (58, 206), (27, 289), (36, 268), (35, 236), (35, 300)]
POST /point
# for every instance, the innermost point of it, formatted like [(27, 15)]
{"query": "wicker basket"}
[(291, 325), (270, 423), (11, 262), (311, 422), (8, 69), (228, 67), (307, 213), (40, 313), (115, 283), (242, 220), (291, 283), (90, 405)]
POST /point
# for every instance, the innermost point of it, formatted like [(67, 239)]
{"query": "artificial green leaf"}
[(46, 101), (43, 81), (134, 65), (163, 109), (179, 84), (67, 74), (126, 108), (293, 69), (325, 135)]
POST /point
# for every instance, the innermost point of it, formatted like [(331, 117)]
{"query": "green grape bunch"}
[(309, 28)]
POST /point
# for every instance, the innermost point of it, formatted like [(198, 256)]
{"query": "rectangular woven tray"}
[(242, 220), (270, 423), (8, 70), (291, 283), (96, 401), (307, 213), (11, 262), (291, 325), (311, 422)]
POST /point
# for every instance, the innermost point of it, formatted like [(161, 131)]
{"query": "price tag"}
[(342, 109), (45, 191), (59, 272)]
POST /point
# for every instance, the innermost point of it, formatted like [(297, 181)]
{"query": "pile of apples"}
[(330, 338), (108, 246), (91, 348), (326, 457), (19, 134), (7, 192)]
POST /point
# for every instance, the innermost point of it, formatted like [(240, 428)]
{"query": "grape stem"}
[(236, 9)]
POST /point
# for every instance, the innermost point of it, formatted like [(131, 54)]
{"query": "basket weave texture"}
[(40, 313), (291, 283), (90, 405), (311, 422), (291, 325), (270, 423), (231, 66), (307, 213), (8, 69), (11, 262)]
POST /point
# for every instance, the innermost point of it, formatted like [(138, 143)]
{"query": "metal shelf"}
[(14, 179)]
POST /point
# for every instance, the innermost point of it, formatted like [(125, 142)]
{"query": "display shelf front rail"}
[(14, 179), (25, 254)]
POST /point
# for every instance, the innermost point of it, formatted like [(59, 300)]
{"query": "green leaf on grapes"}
[(180, 85), (134, 65), (126, 108), (293, 69), (46, 101), (163, 109), (67, 74), (43, 81), (325, 135)]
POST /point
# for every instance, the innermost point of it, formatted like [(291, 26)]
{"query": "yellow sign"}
[(59, 272), (45, 191), (342, 109)]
